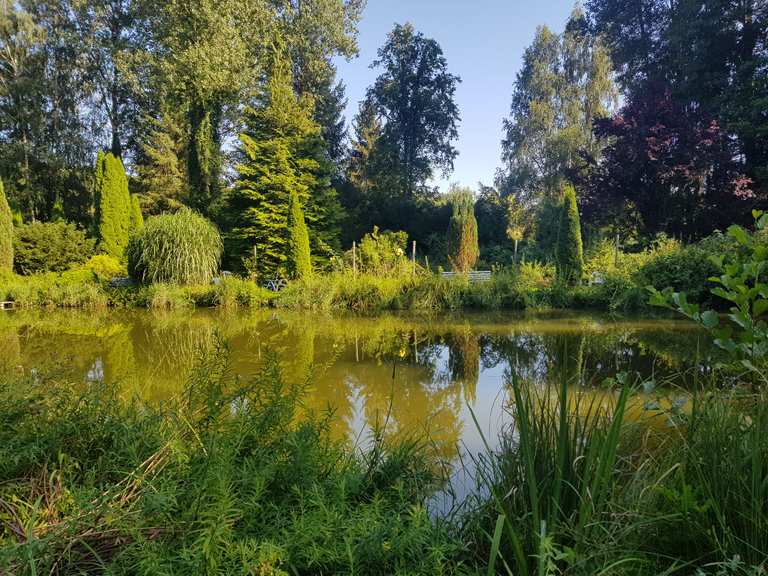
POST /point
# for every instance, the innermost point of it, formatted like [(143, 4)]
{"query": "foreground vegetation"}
[(236, 477)]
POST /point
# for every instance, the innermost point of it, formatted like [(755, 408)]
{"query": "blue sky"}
[(483, 41)]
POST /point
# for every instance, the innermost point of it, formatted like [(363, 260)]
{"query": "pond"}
[(419, 374)]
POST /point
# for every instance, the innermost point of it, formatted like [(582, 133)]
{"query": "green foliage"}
[(6, 233), (137, 218), (463, 250), (71, 289), (742, 283), (382, 253), (299, 261), (682, 268), (553, 481), (113, 205), (49, 247), (179, 248), (105, 267), (564, 83), (570, 251), (282, 152), (228, 477), (415, 93), (712, 505)]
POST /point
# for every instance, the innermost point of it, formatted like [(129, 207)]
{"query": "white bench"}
[(472, 275)]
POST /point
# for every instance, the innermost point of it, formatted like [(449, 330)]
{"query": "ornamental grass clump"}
[(179, 248)]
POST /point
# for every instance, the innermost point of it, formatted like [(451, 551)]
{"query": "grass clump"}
[(229, 478), (178, 248)]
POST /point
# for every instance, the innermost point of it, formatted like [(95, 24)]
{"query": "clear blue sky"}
[(483, 41)]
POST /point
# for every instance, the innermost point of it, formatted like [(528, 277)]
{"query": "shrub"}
[(226, 478), (382, 253), (179, 248), (70, 289), (235, 292), (50, 247), (105, 267), (6, 233), (670, 264)]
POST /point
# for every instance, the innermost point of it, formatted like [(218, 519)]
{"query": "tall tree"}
[(674, 167), (711, 55), (162, 171), (564, 84), (414, 98), (6, 233), (282, 151)]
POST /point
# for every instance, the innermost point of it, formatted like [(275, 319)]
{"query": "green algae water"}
[(413, 375), (421, 372)]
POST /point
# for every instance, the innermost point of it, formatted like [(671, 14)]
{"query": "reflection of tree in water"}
[(464, 360)]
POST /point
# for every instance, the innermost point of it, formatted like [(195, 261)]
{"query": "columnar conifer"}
[(463, 249), (570, 251), (6, 233), (137, 218), (300, 261), (113, 205)]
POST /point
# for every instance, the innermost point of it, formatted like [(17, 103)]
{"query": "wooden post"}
[(354, 258), (413, 257)]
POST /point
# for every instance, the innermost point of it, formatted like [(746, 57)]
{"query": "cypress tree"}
[(113, 202), (570, 251), (300, 261), (463, 249), (137, 218), (6, 233)]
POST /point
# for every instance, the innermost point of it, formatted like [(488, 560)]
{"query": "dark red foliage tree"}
[(673, 167)]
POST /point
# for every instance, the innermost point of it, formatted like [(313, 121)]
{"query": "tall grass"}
[(550, 485), (178, 248)]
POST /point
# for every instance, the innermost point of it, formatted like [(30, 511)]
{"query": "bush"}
[(105, 267), (50, 247), (382, 253), (682, 268), (71, 289), (179, 248), (235, 292)]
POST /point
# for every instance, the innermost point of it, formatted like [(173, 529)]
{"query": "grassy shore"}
[(232, 477), (326, 292)]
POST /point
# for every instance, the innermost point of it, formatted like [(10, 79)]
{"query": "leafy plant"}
[(743, 283)]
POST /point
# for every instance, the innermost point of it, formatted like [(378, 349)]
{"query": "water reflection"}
[(419, 374)]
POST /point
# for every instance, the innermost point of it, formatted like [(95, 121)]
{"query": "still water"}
[(420, 374)]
